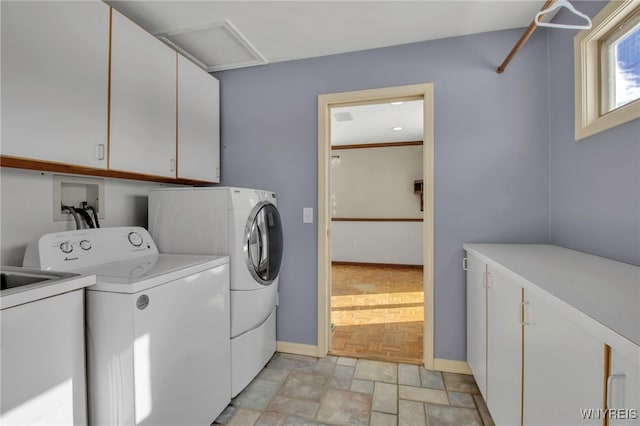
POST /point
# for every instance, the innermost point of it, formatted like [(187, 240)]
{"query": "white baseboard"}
[(451, 366), (446, 365), (297, 348)]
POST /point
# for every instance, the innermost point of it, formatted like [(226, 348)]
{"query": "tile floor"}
[(300, 390)]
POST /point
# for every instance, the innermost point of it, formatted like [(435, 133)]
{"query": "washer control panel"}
[(70, 250)]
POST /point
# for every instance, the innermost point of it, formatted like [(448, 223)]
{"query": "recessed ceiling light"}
[(398, 128), (397, 103)]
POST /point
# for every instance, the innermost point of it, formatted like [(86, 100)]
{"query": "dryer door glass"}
[(264, 243)]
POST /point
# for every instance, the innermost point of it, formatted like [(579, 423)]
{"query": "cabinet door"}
[(477, 322), (563, 368), (198, 123), (143, 101), (42, 363), (623, 389), (55, 72), (504, 348)]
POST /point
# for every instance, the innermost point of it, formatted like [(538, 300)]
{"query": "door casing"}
[(325, 103)]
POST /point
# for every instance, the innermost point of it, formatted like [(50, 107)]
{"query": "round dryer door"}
[(263, 243)]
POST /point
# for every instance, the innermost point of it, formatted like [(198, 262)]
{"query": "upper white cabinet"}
[(198, 123), (143, 101), (55, 62)]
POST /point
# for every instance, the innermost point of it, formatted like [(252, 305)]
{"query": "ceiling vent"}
[(215, 46), (343, 116)]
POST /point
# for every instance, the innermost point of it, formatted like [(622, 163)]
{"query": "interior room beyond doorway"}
[(376, 206)]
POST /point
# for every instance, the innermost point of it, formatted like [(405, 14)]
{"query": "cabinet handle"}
[(610, 381), (486, 279), (524, 310), (465, 266), (100, 151), (173, 165)]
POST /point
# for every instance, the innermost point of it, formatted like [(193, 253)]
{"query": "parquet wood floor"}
[(377, 312)]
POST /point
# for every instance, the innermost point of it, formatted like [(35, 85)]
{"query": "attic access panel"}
[(215, 46)]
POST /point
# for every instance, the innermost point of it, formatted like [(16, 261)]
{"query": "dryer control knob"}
[(66, 247), (135, 239), (85, 245)]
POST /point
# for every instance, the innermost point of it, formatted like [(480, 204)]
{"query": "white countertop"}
[(29, 293), (599, 292)]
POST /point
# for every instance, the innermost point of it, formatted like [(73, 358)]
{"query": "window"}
[(620, 62), (607, 69)]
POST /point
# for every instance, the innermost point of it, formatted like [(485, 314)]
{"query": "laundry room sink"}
[(17, 277), (43, 349), (23, 285)]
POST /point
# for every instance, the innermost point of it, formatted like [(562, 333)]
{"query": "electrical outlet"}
[(307, 215)]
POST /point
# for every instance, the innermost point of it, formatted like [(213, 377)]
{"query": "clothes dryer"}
[(245, 225)]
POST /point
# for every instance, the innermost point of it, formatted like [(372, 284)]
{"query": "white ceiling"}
[(374, 123), (257, 32)]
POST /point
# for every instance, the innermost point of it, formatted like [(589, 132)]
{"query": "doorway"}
[(328, 209)]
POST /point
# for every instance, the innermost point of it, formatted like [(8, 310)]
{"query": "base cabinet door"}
[(504, 348), (563, 368), (55, 76), (623, 389), (477, 322)]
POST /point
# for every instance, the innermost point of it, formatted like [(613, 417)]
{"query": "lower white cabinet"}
[(504, 343), (42, 367), (477, 321), (623, 389), (537, 359), (563, 367)]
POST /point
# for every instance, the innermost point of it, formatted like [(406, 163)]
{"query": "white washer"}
[(245, 225), (157, 326)]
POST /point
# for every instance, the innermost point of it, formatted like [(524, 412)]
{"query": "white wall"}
[(26, 209), (377, 242), (376, 182)]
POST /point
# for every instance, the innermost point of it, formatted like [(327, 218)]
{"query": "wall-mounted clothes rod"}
[(523, 39)]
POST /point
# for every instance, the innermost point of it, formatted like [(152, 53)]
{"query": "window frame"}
[(589, 102)]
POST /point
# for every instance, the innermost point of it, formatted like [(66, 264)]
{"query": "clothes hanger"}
[(566, 4)]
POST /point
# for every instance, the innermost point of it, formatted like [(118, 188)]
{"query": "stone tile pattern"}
[(339, 391)]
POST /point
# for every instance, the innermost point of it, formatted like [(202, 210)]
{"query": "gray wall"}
[(491, 156), (594, 184)]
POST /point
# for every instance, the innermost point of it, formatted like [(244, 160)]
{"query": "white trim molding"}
[(451, 366), (297, 348), (363, 97), (589, 119)]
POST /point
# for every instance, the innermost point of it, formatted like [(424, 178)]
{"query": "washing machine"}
[(158, 350), (245, 225)]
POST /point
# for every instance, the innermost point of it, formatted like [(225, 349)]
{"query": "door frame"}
[(325, 103)]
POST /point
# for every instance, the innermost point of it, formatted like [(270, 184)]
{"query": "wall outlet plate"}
[(307, 215), (72, 191)]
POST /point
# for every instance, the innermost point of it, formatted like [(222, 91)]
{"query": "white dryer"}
[(158, 349), (245, 225)]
